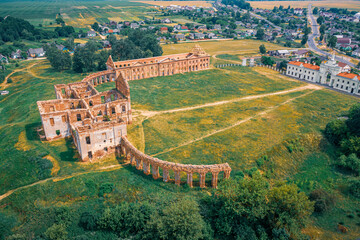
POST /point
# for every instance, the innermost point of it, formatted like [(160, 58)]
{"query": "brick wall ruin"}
[(97, 120)]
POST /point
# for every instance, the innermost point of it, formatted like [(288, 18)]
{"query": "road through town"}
[(315, 33)]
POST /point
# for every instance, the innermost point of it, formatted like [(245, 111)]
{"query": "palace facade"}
[(329, 73)]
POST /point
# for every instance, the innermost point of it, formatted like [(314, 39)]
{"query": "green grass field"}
[(236, 127)]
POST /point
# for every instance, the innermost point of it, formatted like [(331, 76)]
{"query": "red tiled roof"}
[(306, 65), (164, 28), (348, 75), (341, 64)]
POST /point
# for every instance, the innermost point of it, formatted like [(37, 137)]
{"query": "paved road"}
[(315, 33), (262, 18)]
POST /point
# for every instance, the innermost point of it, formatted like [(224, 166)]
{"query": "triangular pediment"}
[(110, 62)]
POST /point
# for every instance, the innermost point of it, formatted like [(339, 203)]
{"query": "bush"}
[(6, 224), (351, 162), (56, 232), (354, 187), (9, 80), (88, 220), (351, 145), (335, 131), (105, 188), (323, 200)]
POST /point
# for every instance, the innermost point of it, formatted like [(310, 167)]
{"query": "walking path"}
[(62, 178), (251, 97), (234, 125)]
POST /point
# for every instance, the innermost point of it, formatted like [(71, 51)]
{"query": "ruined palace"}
[(97, 121)]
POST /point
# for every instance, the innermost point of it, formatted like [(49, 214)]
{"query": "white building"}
[(329, 73)]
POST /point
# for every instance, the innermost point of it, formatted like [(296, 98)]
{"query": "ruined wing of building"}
[(331, 73), (97, 120)]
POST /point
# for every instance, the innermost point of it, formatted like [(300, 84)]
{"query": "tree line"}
[(87, 58), (344, 134), (243, 207)]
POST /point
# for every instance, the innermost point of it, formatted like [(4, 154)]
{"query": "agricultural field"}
[(179, 3), (350, 5), (79, 13), (239, 47), (234, 114)]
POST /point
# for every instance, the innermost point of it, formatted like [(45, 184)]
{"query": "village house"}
[(302, 53), (91, 34), (3, 59), (180, 36), (356, 52), (298, 11), (163, 29), (134, 25), (16, 54), (36, 52), (165, 20)]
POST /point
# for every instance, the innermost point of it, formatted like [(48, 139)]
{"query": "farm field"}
[(78, 13), (240, 47), (179, 3), (351, 5), (233, 114)]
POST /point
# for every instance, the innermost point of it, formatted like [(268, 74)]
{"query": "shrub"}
[(6, 224), (323, 200), (354, 187), (351, 162), (335, 131), (105, 188), (88, 220), (9, 80), (56, 232), (351, 145)]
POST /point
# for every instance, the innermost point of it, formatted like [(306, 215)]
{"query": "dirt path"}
[(62, 178), (153, 113), (234, 125), (27, 69)]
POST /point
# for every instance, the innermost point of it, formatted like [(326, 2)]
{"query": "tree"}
[(57, 232), (322, 29), (262, 49), (304, 39), (323, 200), (335, 131), (283, 65), (58, 59), (332, 41), (351, 145), (320, 20), (351, 162), (267, 61), (260, 34), (315, 10), (59, 20), (95, 26), (6, 224), (180, 220), (354, 187), (353, 122), (112, 39)]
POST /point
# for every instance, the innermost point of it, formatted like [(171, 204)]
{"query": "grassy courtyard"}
[(235, 114)]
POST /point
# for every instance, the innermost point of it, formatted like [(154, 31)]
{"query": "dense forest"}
[(12, 29)]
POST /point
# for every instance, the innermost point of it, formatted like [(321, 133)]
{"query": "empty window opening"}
[(90, 154), (112, 97), (52, 109), (113, 110), (102, 99), (90, 103), (100, 113), (105, 149), (57, 132), (52, 121), (63, 118), (123, 109), (88, 140), (78, 117), (63, 91)]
